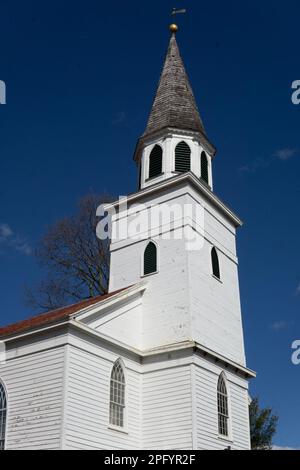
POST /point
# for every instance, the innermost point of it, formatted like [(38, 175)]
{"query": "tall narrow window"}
[(3, 412), (155, 162), (150, 258), (204, 167), (215, 263), (117, 396), (182, 157), (223, 415)]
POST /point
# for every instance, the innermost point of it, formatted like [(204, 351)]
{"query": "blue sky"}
[(80, 81)]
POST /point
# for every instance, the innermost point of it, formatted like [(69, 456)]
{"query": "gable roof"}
[(54, 315)]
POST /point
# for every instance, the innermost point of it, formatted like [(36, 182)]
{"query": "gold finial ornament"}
[(173, 28)]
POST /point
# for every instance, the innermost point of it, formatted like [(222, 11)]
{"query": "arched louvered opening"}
[(215, 263), (223, 414), (182, 157), (155, 162), (150, 259), (3, 414), (204, 167), (117, 396), (140, 175)]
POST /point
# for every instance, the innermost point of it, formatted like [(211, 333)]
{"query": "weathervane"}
[(176, 11)]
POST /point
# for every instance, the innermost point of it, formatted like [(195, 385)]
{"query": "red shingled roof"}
[(54, 315)]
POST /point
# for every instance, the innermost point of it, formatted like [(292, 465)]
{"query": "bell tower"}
[(192, 288)]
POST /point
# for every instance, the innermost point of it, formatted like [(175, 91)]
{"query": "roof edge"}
[(58, 316)]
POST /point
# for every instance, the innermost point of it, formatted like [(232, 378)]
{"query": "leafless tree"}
[(76, 261)]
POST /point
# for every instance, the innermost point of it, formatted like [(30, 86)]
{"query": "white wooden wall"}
[(86, 421), (58, 397), (205, 379), (34, 385), (167, 409)]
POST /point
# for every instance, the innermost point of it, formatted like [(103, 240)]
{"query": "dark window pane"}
[(150, 259), (155, 162), (215, 263), (204, 167)]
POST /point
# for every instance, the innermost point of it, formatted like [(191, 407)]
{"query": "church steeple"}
[(174, 140), (174, 104)]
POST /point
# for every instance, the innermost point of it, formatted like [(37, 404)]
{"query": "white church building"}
[(158, 362)]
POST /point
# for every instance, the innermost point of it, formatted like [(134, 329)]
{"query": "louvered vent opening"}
[(140, 175), (182, 158), (204, 167), (155, 163), (215, 263), (150, 259)]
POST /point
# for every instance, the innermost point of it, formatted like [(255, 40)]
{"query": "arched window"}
[(117, 396), (150, 258), (215, 263), (182, 157), (155, 162), (223, 415), (3, 412), (204, 167)]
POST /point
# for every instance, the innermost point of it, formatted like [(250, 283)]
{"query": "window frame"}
[(228, 436), (175, 148), (150, 178), (2, 386), (202, 156), (143, 259), (215, 251), (112, 425)]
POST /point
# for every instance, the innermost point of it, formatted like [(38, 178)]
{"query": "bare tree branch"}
[(77, 262)]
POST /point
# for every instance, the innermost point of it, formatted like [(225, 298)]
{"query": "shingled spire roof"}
[(174, 104)]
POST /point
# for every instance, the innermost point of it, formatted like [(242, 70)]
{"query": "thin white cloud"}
[(5, 232), (281, 325), (9, 239), (285, 154), (255, 165), (119, 118), (22, 246), (298, 289)]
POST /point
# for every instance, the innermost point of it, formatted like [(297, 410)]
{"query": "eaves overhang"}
[(188, 178)]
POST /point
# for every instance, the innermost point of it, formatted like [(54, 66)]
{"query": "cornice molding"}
[(189, 178)]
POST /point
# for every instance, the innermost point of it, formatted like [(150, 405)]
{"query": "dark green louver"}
[(150, 259), (140, 175), (204, 167), (155, 162), (215, 263), (182, 157)]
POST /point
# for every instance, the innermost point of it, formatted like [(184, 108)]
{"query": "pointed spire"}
[(174, 104)]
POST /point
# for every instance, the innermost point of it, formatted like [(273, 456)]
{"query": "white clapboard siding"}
[(207, 412), (240, 416), (167, 409), (34, 386), (87, 408)]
